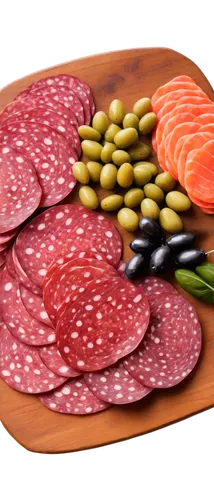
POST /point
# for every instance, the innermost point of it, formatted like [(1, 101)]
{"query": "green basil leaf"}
[(195, 285), (206, 272)]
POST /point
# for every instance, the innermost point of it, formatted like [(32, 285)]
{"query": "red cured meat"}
[(43, 102), (107, 323), (2, 259), (49, 153), (155, 286), (74, 398), (121, 268), (14, 265), (50, 119), (171, 140), (58, 231), (65, 96), (17, 319), (8, 236), (22, 368), (34, 305), (115, 385), (171, 346), (70, 280), (20, 192), (186, 145), (199, 175), (54, 361)]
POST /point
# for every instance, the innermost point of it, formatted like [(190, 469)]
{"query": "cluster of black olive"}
[(155, 255)]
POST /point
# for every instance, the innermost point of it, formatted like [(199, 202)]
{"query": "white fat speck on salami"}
[(171, 346), (63, 229), (50, 154), (51, 119), (152, 285), (70, 280), (22, 368), (20, 191), (115, 385), (17, 319), (74, 398), (52, 358), (35, 306), (121, 268), (104, 328), (65, 96)]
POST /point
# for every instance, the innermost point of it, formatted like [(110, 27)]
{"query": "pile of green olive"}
[(117, 158)]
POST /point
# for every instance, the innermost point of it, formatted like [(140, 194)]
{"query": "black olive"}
[(151, 230), (160, 260), (181, 241), (190, 259), (142, 245), (136, 267)]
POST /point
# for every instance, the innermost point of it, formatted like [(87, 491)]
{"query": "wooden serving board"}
[(127, 75)]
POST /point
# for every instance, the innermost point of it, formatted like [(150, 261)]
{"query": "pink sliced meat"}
[(69, 281), (65, 96), (2, 259), (22, 368), (8, 236), (43, 102), (60, 230), (106, 323), (115, 385), (20, 191), (16, 317), (73, 398), (50, 154), (54, 361), (35, 306), (51, 119), (171, 346), (22, 277), (155, 286)]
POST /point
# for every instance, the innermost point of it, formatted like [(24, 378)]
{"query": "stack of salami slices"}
[(184, 138), (39, 143), (78, 334)]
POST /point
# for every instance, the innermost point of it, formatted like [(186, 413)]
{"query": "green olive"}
[(119, 157), (141, 175), (130, 120), (92, 150), (170, 221), (142, 106), (165, 181), (150, 166), (100, 122), (81, 172), (133, 197), (154, 192), (108, 176), (86, 132), (178, 201), (149, 208), (139, 151), (112, 202), (107, 151), (126, 138), (128, 219), (116, 111), (111, 132), (147, 123), (88, 197), (125, 175), (94, 169)]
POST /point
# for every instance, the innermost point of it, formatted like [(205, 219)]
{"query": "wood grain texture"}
[(127, 75)]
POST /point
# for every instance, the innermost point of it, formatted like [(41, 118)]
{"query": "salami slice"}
[(54, 361), (172, 344), (2, 259), (35, 306), (73, 397), (43, 102), (65, 96), (155, 286), (22, 368), (115, 385), (121, 268), (8, 236), (20, 191), (58, 231), (49, 153), (16, 317), (51, 119), (107, 322), (14, 265), (69, 282)]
